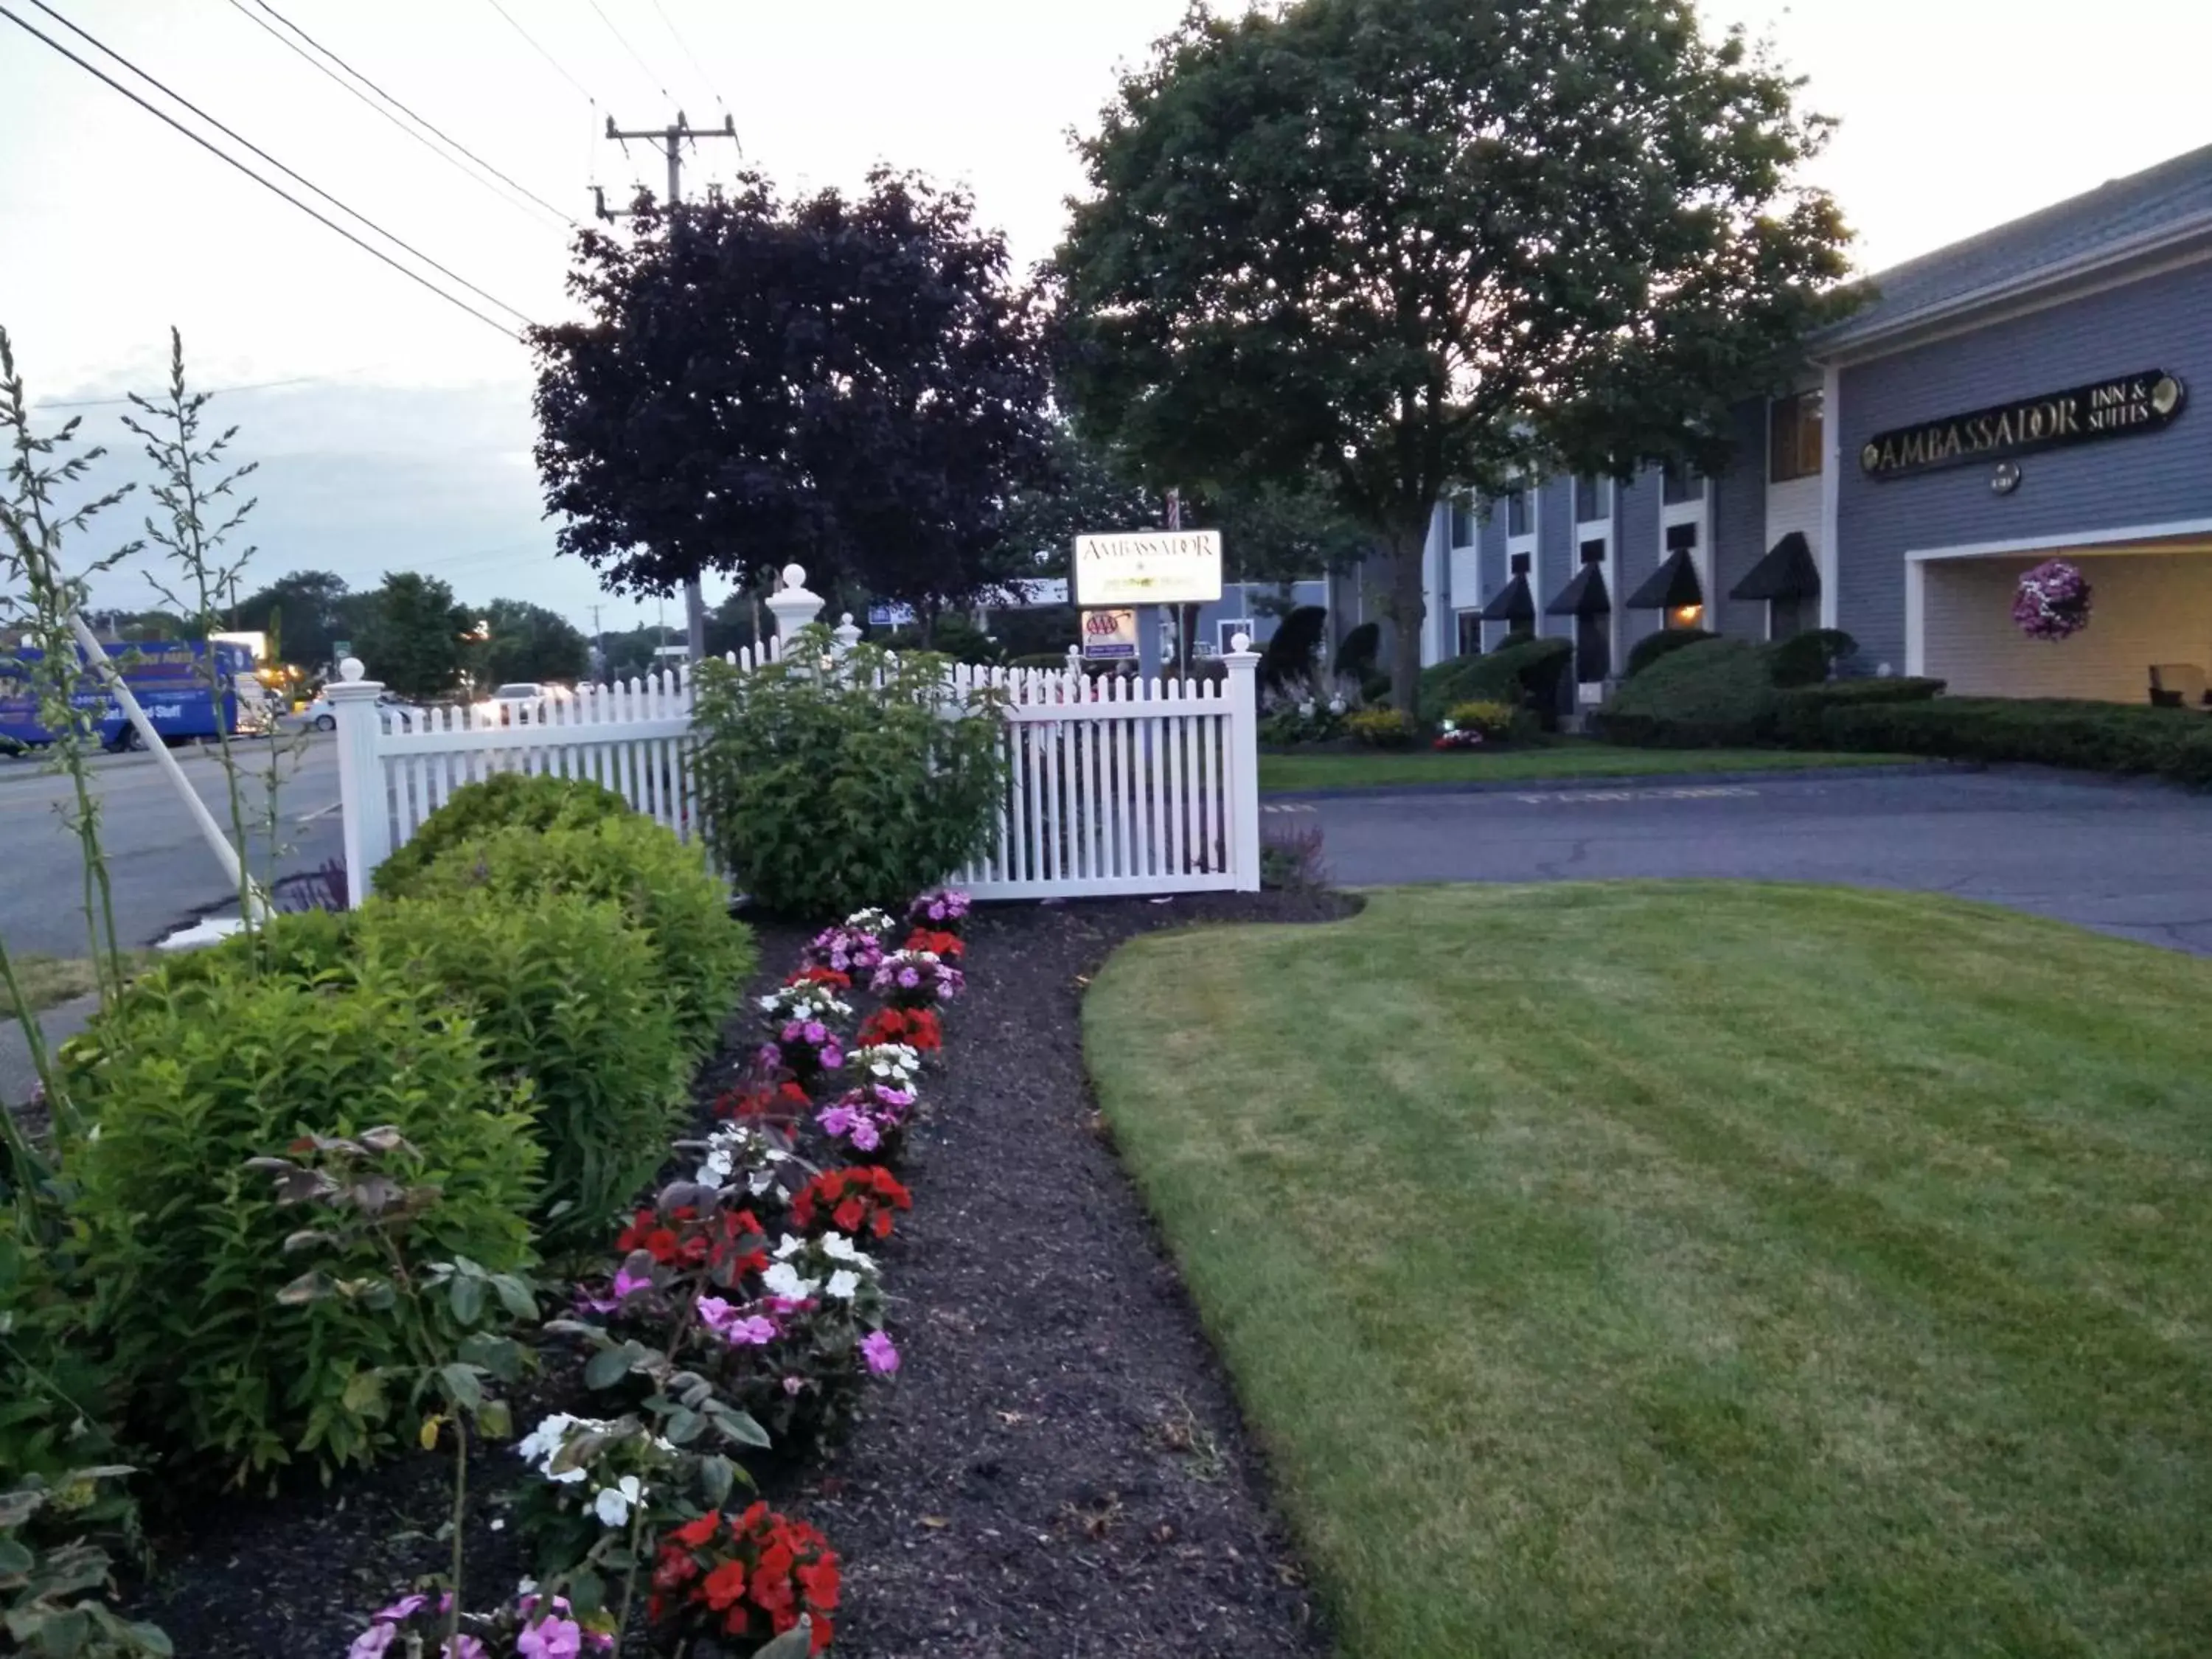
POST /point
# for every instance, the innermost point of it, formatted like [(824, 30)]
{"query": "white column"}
[(363, 793), (1242, 797), (846, 633), (793, 606), (1831, 491)]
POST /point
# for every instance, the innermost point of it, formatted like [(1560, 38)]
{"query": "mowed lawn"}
[(1700, 1269), (1568, 757)]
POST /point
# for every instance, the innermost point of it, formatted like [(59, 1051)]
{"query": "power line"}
[(322, 69), (211, 391), (412, 116), (275, 188), (631, 50), (685, 46), (557, 68), (240, 138)]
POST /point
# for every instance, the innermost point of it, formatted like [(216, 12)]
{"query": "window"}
[(1680, 485), (1226, 631), (1589, 500), (1462, 521), (1470, 633), (1793, 438), (1518, 519)]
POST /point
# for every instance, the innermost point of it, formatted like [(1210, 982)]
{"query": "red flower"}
[(855, 1199), (724, 1585), (692, 1533), (828, 976), (947, 946), (918, 1028)]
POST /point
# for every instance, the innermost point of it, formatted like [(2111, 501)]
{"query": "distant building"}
[(2020, 395)]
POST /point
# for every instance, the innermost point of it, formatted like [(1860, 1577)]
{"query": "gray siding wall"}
[(1555, 555), (1637, 520), (2159, 322), (1739, 525)]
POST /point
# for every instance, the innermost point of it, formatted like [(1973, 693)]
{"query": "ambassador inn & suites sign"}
[(2120, 407)]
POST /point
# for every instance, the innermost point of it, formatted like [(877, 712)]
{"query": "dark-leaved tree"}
[(304, 612), (849, 382), (1409, 244)]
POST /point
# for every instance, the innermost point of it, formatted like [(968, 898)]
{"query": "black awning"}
[(1513, 604), (1672, 586), (1585, 596), (1786, 573)]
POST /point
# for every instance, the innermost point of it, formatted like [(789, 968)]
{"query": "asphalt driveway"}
[(2125, 857)]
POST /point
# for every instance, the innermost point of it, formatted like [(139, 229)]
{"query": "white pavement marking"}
[(308, 818), (1714, 792), (1711, 792), (1286, 806)]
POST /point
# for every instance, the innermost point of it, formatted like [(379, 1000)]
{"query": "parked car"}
[(321, 717), (521, 702)]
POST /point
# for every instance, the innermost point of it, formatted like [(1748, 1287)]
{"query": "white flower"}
[(543, 1444), (613, 1504), (759, 1181), (842, 1284), (838, 1248), (789, 1247), (783, 1280)]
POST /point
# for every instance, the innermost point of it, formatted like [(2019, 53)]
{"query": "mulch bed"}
[(1058, 1468)]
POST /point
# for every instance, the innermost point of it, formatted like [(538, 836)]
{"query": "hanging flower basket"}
[(2053, 601)]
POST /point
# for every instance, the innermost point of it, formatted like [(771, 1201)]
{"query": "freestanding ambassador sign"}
[(1148, 566)]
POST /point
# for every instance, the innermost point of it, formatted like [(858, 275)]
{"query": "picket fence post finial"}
[(847, 632), (792, 605)]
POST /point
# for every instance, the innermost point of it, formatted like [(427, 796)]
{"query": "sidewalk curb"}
[(1632, 781)]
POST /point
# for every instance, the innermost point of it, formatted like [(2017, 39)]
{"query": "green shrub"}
[(1494, 721), (1652, 646), (1357, 652), (564, 991), (60, 1394), (701, 956), (1285, 725), (1712, 693), (1805, 659), (2097, 737), (1381, 728), (1525, 674), (953, 636), (832, 790), (506, 800), (1800, 713), (183, 1245)]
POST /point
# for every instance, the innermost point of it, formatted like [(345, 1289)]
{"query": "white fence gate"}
[(1112, 786)]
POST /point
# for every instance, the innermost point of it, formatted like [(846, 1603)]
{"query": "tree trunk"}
[(1409, 608)]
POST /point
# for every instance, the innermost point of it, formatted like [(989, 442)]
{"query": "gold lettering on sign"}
[(2100, 410)]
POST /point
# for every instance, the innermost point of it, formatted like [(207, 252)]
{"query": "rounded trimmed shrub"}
[(700, 955), (1652, 646), (506, 800), (1357, 652), (183, 1245), (1805, 659), (564, 991)]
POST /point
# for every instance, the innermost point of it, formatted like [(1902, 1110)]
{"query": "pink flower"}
[(466, 1647), (627, 1283), (791, 1385), (372, 1642), (881, 1353), (405, 1608), (554, 1638), (835, 1120), (864, 1134)]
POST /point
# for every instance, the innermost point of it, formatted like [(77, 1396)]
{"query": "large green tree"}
[(413, 635), (526, 641), (1408, 245), (305, 613)]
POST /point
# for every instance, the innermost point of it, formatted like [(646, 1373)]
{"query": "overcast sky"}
[(403, 439)]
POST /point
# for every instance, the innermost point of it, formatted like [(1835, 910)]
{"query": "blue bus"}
[(169, 677)]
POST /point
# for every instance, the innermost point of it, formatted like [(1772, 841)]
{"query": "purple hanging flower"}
[(2053, 601)]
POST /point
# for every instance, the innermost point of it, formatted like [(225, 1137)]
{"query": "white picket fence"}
[(1112, 786)]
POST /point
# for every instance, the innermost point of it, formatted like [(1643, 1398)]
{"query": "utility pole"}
[(671, 139)]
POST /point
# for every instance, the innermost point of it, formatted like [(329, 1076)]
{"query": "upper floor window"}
[(1793, 438), (1679, 485), (1589, 500), (1462, 521), (1519, 514)]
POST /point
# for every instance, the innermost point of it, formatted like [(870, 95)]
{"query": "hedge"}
[(1653, 647), (1711, 693), (2099, 737), (1801, 712), (1525, 675), (506, 800)]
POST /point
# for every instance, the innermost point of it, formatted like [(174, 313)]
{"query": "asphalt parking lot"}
[(2125, 857)]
